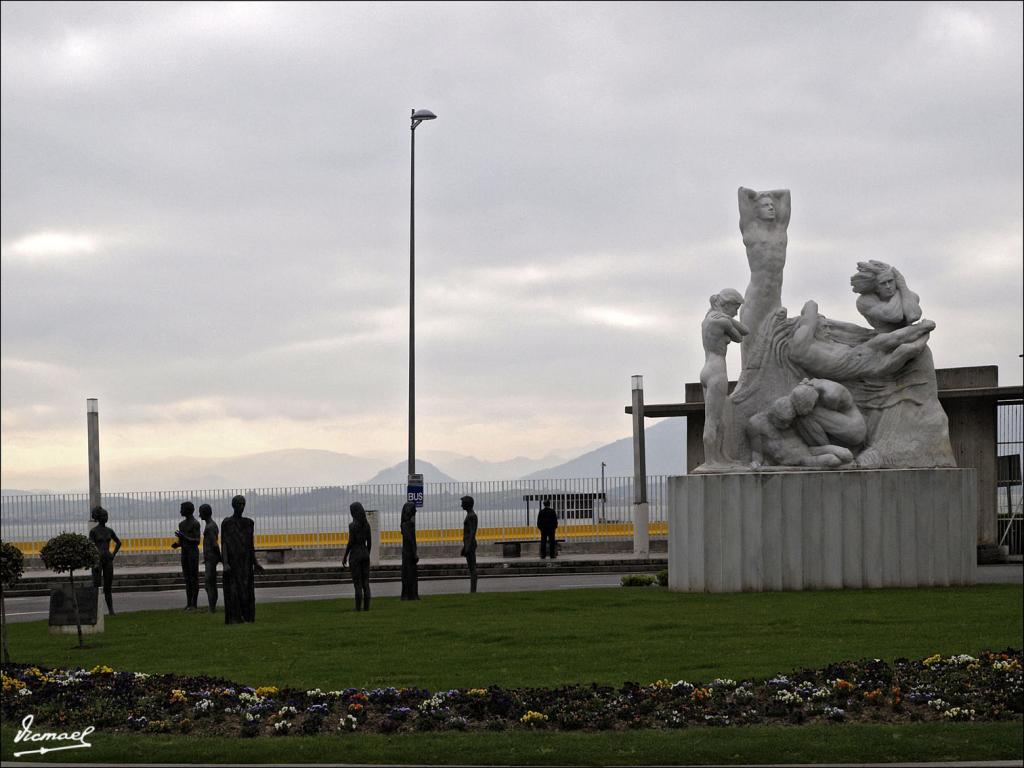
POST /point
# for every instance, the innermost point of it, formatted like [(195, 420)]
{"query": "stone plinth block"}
[(769, 531)]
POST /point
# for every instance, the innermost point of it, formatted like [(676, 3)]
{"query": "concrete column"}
[(92, 415), (373, 518), (641, 513)]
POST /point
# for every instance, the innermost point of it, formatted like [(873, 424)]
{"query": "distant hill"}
[(400, 474), (665, 446), (295, 467), (305, 467), (463, 467)]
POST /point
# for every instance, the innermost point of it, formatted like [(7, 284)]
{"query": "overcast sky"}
[(205, 209)]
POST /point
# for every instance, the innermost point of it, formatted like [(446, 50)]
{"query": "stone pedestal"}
[(769, 531), (62, 610)]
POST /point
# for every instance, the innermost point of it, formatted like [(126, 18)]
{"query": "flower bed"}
[(990, 687)]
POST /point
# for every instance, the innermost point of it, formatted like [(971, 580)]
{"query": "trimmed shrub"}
[(12, 565), (663, 577), (70, 552)]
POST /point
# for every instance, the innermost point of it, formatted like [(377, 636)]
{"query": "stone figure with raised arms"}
[(764, 222)]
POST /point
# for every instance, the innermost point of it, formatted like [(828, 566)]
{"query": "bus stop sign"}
[(414, 490)]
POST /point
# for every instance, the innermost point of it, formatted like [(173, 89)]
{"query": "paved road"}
[(36, 608)]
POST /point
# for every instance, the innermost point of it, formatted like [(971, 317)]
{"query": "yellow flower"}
[(11, 684), (932, 660), (178, 696), (533, 718), (701, 694), (101, 669), (476, 692), (266, 690)]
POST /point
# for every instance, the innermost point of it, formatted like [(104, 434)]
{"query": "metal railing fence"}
[(318, 516), (1010, 450)]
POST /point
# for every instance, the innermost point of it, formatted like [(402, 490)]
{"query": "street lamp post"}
[(418, 116)]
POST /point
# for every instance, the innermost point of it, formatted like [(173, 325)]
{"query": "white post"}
[(373, 517), (641, 514), (92, 418)]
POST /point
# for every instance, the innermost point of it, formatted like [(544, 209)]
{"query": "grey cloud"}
[(247, 179)]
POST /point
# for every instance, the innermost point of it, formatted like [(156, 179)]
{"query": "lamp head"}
[(419, 115)]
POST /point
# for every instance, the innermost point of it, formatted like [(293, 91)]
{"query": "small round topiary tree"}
[(70, 552), (12, 565)]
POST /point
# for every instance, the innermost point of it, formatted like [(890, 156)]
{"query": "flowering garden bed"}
[(958, 688)]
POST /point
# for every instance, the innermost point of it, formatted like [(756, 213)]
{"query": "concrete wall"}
[(770, 531), (972, 434)]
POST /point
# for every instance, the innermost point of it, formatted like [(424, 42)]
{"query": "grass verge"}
[(544, 638), (806, 744)]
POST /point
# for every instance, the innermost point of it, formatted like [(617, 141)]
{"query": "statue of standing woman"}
[(357, 551), (410, 557), (720, 326), (238, 550)]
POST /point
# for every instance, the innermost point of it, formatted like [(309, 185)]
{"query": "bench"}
[(275, 554), (514, 547)]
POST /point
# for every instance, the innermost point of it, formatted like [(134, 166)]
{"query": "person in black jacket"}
[(359, 548), (410, 585), (469, 526), (547, 522)]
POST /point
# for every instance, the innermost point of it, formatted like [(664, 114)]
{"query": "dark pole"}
[(417, 117), (412, 298)]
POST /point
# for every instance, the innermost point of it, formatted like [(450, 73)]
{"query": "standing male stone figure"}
[(103, 572), (764, 221), (717, 330), (188, 541), (211, 554), (469, 526)]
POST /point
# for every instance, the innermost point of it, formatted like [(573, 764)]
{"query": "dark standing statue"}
[(103, 573), (469, 526), (359, 548), (211, 554), (410, 578), (188, 534), (547, 522), (238, 550)]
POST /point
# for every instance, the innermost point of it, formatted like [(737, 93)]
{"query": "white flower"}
[(24, 692)]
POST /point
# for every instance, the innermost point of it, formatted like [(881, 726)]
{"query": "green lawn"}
[(812, 743), (545, 638)]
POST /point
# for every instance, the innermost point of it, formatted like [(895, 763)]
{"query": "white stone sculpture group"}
[(817, 393)]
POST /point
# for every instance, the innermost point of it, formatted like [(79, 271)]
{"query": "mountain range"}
[(665, 447)]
